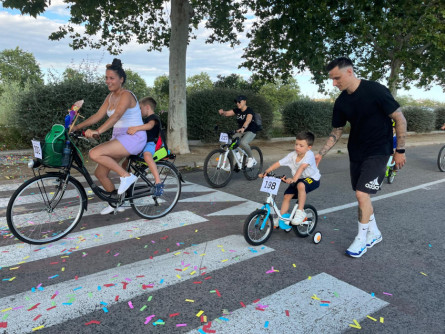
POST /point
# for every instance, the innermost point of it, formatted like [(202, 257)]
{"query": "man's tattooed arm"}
[(332, 140), (400, 120)]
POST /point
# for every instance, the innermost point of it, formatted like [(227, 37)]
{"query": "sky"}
[(31, 35)]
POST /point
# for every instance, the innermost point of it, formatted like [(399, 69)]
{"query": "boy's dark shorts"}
[(309, 184), (367, 175)]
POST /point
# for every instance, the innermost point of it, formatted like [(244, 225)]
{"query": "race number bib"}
[(37, 149), (270, 185), (224, 138)]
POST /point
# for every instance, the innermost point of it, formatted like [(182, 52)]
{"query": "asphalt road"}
[(178, 274)]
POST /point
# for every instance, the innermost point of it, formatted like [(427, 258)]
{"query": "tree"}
[(136, 84), (199, 82), (279, 93), (161, 92), (19, 66), (233, 81), (400, 41), (111, 24)]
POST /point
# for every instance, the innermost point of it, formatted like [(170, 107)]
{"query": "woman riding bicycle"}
[(123, 110), (247, 128)]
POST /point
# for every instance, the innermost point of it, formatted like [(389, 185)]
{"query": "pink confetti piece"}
[(181, 325), (148, 319), (130, 304), (387, 293)]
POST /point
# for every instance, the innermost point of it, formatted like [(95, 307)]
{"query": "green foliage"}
[(233, 81), (19, 66), (161, 92), (199, 82), (308, 115), (9, 103), (203, 116), (401, 41), (136, 84), (419, 119), (440, 117)]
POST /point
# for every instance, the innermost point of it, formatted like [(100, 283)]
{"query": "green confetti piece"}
[(143, 308), (149, 298)]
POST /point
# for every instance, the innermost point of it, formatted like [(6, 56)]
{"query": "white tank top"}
[(131, 116)]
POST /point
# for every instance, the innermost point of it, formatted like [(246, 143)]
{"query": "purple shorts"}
[(134, 144)]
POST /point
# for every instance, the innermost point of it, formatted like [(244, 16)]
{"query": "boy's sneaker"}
[(250, 162), (109, 209), (299, 217), (159, 189), (357, 248), (373, 238), (126, 182)]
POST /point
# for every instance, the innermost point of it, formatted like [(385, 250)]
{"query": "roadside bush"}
[(46, 105), (440, 117), (202, 113), (308, 115), (419, 119)]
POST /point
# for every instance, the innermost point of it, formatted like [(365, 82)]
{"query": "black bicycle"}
[(50, 205), (220, 163)]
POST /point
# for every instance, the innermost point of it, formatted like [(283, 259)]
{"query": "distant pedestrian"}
[(247, 127), (369, 107)]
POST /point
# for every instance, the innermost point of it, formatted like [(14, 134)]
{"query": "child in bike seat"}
[(152, 125), (306, 176)]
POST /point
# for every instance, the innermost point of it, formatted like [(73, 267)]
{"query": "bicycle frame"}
[(270, 201)]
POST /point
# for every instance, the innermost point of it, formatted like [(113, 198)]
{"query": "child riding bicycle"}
[(306, 176)]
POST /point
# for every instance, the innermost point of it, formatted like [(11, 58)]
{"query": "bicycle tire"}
[(215, 176), (252, 173), (152, 207), (40, 226), (441, 159), (251, 230), (309, 224)]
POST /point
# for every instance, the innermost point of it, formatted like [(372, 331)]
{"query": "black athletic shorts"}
[(367, 175), (309, 184)]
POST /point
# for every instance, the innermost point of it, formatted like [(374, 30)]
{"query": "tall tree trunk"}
[(177, 114), (393, 80)]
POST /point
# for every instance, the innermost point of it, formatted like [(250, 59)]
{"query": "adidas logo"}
[(374, 184)]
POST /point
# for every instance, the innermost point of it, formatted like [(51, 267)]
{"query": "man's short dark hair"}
[(306, 135), (341, 62)]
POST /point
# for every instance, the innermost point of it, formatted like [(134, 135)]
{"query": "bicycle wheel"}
[(441, 159), (216, 174), (253, 233), (308, 226), (148, 206), (252, 173), (391, 175), (45, 209)]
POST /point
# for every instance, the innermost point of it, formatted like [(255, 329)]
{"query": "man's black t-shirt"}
[(367, 110), (241, 118), (153, 133)]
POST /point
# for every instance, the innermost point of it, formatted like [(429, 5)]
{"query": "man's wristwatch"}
[(400, 150)]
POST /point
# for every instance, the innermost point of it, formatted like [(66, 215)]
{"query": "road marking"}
[(78, 241), (155, 270), (242, 209), (306, 314), (377, 198)]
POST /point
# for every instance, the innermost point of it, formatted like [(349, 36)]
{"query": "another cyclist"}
[(306, 176), (151, 125), (247, 127), (369, 108), (123, 111)]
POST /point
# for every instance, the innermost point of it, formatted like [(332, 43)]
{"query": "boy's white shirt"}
[(309, 158)]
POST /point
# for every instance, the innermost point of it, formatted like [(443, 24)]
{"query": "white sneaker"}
[(357, 248), (251, 162), (299, 217), (109, 209), (373, 238), (126, 182)]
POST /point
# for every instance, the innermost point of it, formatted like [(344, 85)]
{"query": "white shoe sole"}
[(359, 255), (375, 242)]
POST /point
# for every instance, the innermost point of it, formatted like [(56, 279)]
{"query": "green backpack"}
[(53, 146)]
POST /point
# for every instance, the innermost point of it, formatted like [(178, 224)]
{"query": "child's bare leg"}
[(301, 195), (152, 165), (286, 203), (125, 164)]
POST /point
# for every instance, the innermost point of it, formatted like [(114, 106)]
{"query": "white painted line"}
[(15, 186), (377, 198), (159, 272), (306, 315), (242, 209), (191, 187), (78, 241), (217, 196)]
